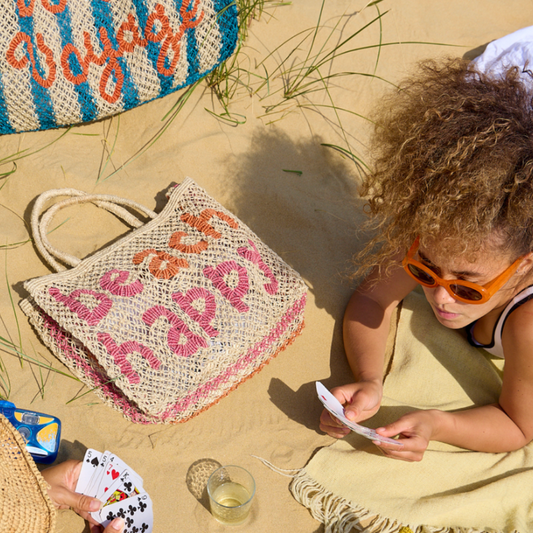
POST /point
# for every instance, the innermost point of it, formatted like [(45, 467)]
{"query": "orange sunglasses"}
[(464, 291)]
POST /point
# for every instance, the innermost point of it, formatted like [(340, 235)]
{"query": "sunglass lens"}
[(467, 293), (421, 275)]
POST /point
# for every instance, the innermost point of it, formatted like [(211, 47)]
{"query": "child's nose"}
[(442, 296)]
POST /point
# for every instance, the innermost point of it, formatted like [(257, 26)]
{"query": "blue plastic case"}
[(41, 432)]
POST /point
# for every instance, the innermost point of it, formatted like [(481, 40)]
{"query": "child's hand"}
[(361, 401), (415, 429), (62, 479)]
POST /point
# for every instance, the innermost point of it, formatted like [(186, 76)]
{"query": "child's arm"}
[(501, 427), (365, 331)]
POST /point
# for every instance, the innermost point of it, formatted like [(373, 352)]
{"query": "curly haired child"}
[(451, 196)]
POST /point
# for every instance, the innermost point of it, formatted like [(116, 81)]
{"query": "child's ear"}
[(526, 264)]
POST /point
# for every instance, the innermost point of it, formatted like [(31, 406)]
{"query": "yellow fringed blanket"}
[(350, 486)]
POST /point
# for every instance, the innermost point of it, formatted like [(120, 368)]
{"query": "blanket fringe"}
[(281, 471), (342, 516)]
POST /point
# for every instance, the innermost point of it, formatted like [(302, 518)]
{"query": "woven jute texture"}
[(172, 317), (70, 61), (24, 503)]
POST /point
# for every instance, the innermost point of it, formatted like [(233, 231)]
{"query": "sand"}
[(309, 217)]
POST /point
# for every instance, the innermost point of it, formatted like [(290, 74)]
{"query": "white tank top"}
[(495, 347)]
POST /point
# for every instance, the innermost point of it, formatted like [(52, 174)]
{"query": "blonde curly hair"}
[(453, 161)]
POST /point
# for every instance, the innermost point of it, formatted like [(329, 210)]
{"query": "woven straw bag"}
[(24, 503), (169, 319), (65, 62)]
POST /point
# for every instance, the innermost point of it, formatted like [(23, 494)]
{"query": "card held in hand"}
[(120, 489), (337, 410), (135, 510)]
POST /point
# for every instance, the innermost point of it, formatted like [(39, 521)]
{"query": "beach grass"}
[(14, 348), (299, 74)]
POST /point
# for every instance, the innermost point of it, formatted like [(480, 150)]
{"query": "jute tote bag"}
[(172, 317), (65, 62)]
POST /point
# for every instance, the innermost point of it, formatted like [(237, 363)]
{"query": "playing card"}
[(122, 493), (90, 462), (121, 489), (92, 488), (136, 512), (121, 466), (337, 410), (112, 470)]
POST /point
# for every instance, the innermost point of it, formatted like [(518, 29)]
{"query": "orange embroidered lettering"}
[(67, 71), (175, 242), (20, 38), (90, 56), (112, 67), (129, 27), (157, 16), (45, 82), (174, 44), (13, 46), (25, 10), (54, 8), (162, 265), (201, 222), (157, 30), (188, 16)]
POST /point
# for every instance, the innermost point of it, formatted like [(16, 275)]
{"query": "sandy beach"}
[(277, 163)]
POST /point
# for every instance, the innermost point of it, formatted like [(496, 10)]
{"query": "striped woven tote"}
[(65, 62)]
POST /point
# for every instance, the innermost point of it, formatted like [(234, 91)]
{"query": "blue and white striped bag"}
[(65, 62)]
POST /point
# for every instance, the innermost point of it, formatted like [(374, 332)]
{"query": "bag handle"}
[(40, 224)]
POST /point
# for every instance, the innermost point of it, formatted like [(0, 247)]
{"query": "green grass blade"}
[(228, 118), (110, 153), (380, 38), (298, 172), (13, 308), (18, 155), (7, 174), (77, 396), (11, 349), (169, 117), (347, 153)]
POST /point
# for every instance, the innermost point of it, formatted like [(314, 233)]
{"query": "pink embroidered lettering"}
[(204, 317), (220, 277), (120, 353), (91, 316), (255, 257), (114, 281), (181, 340)]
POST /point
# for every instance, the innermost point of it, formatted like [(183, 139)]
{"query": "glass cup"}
[(231, 490)]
